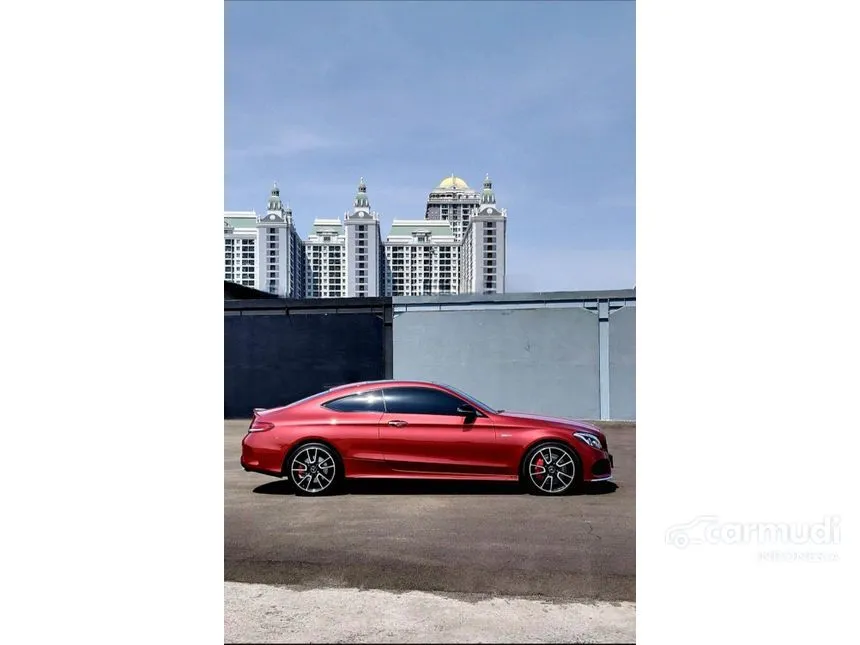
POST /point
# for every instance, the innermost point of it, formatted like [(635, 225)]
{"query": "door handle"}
[(398, 424)]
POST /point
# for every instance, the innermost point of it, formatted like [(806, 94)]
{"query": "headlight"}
[(590, 439)]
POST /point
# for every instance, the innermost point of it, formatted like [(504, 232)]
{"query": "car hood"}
[(574, 424)]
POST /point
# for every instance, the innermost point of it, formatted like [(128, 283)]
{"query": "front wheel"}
[(314, 469), (551, 469)]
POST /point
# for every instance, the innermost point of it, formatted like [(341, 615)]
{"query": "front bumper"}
[(601, 467), (597, 466), (596, 462), (603, 478)]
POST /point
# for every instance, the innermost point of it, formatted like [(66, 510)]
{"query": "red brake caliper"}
[(539, 464), (301, 470)]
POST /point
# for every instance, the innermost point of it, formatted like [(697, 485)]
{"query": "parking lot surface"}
[(480, 539)]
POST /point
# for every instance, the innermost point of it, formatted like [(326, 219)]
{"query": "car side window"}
[(420, 400), (365, 402)]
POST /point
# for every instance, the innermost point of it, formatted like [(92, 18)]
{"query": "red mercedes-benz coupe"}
[(419, 430)]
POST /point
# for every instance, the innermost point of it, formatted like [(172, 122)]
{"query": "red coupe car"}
[(419, 430)]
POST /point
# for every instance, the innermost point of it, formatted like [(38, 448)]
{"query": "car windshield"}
[(472, 400)]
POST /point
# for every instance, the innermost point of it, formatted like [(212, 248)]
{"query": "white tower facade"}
[(280, 254), (483, 256), (364, 258)]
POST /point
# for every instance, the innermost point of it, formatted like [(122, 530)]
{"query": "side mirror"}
[(467, 410)]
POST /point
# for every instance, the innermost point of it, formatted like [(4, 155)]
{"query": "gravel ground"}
[(257, 613)]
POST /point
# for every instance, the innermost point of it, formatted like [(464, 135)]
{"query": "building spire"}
[(361, 202), (487, 195), (275, 199)]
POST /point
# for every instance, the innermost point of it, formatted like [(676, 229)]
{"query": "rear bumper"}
[(257, 469), (258, 457)]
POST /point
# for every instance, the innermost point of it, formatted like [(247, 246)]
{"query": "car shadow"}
[(428, 487)]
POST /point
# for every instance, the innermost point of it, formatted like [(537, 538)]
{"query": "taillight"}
[(260, 426)]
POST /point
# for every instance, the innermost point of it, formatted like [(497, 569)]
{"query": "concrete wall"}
[(564, 354), (622, 363), (538, 360)]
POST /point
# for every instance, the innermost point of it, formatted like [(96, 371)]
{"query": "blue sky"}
[(540, 95)]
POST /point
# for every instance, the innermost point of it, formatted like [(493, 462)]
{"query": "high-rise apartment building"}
[(478, 227), (265, 251), (459, 247), (325, 260), (422, 257), (240, 247), (453, 201)]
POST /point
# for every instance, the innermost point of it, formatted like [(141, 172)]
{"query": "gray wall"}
[(547, 353), (564, 354), (538, 360), (622, 363)]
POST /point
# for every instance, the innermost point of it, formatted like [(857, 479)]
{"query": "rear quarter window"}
[(364, 402)]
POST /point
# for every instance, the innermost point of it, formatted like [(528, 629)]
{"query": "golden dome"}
[(453, 182)]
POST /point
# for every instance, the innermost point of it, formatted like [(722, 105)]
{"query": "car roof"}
[(383, 382)]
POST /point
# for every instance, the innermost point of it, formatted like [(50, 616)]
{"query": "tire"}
[(314, 469), (552, 479)]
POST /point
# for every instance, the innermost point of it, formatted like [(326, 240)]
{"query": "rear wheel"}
[(551, 469), (314, 469)]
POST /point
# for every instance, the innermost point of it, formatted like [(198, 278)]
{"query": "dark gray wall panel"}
[(271, 360)]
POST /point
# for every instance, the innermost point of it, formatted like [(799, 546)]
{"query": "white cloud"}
[(291, 141)]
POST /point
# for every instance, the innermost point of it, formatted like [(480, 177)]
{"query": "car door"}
[(422, 432), (351, 424)]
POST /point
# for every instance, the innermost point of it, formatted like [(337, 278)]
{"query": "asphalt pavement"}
[(479, 539)]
